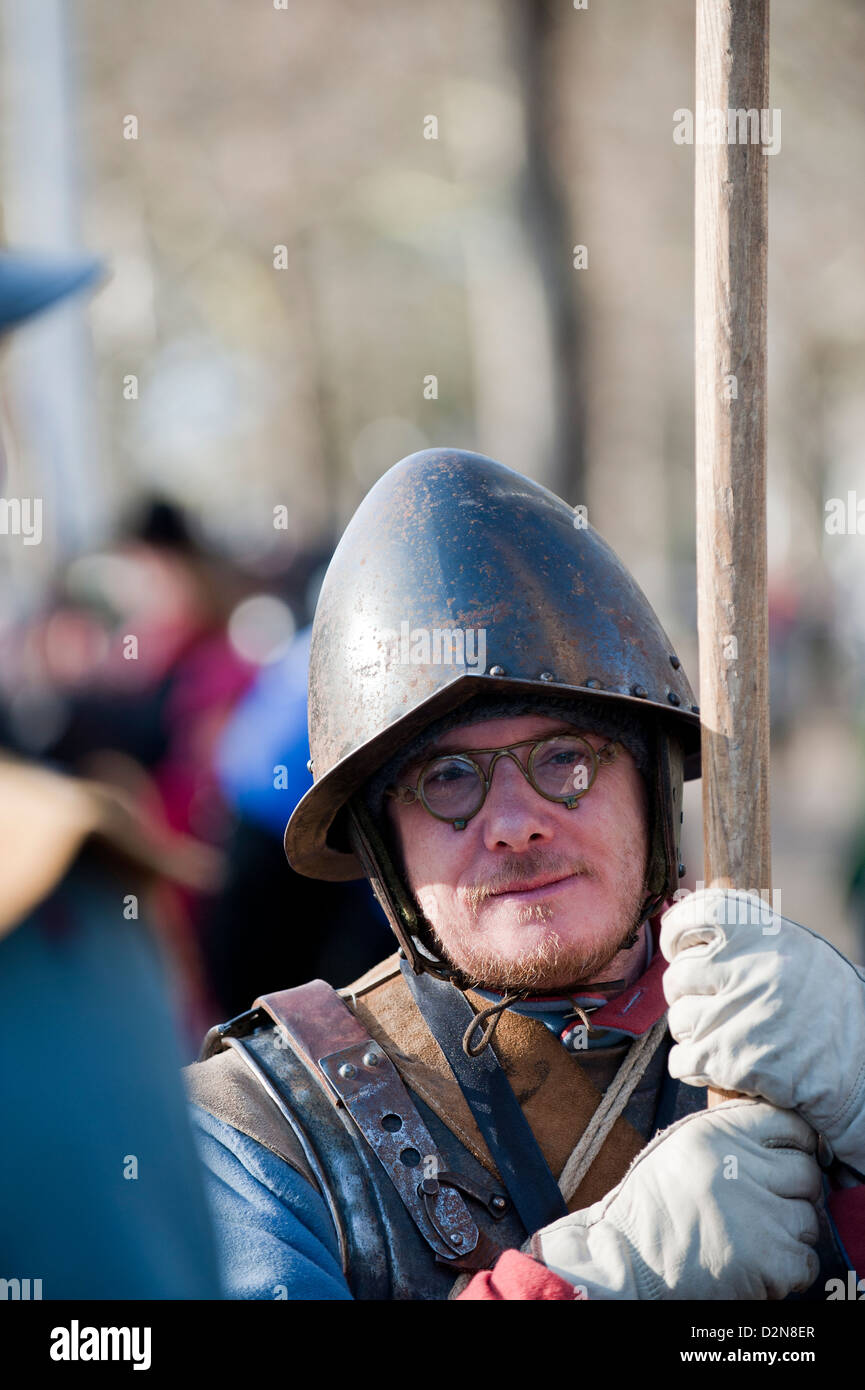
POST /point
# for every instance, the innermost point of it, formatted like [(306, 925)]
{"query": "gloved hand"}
[(766, 1007), (687, 1222)]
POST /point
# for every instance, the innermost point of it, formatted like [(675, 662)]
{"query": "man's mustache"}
[(519, 869)]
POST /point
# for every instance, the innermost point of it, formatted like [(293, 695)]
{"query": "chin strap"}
[(488, 1020)]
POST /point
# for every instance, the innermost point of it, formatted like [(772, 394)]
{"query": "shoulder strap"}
[(360, 1077), (509, 1138)]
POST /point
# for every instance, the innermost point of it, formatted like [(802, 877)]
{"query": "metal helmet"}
[(451, 553)]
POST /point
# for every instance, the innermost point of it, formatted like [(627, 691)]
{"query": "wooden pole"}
[(731, 233)]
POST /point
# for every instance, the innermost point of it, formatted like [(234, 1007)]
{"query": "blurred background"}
[(336, 234)]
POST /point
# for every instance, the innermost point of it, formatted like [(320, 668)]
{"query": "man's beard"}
[(549, 963)]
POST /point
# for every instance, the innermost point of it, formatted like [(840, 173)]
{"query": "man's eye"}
[(563, 757), (447, 774)]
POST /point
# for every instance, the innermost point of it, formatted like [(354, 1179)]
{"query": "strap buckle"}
[(367, 1083)]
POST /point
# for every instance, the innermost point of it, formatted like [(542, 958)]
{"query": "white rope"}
[(615, 1098)]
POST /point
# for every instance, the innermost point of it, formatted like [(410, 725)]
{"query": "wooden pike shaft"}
[(730, 307), (731, 236)]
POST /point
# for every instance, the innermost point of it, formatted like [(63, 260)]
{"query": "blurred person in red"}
[(143, 705)]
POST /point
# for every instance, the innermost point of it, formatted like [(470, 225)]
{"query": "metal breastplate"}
[(391, 1250), (409, 1210)]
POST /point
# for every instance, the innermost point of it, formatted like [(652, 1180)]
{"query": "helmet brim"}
[(316, 843)]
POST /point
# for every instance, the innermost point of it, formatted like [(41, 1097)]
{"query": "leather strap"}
[(360, 1076), (506, 1131)]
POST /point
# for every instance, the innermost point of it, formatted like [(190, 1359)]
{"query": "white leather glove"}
[(766, 1007), (686, 1222)]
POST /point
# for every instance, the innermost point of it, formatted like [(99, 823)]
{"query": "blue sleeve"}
[(274, 1233), (101, 1190)]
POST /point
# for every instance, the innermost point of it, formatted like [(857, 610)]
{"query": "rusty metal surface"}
[(494, 1198), (448, 540), (384, 1254), (303, 1088), (365, 1081), (297, 1091), (371, 1089)]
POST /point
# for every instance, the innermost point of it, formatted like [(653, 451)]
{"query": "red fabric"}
[(637, 1008), (518, 1277), (847, 1209)]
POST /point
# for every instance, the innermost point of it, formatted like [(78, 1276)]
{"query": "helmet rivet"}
[(695, 709), (309, 766), (593, 684), (673, 697), (498, 1203), (347, 1071), (456, 1238), (547, 676), (675, 662), (370, 1059), (497, 670), (640, 691)]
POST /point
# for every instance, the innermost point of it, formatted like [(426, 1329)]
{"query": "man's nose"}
[(514, 815)]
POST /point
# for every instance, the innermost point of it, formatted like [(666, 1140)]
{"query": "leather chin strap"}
[(405, 919)]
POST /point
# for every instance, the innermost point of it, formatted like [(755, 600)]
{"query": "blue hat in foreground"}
[(31, 282)]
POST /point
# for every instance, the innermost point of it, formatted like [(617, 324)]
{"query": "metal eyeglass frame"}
[(607, 753)]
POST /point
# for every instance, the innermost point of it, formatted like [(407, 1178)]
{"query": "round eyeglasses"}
[(453, 786)]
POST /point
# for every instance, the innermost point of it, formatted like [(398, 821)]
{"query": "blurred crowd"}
[(152, 747), (159, 669), (153, 683), (153, 744)]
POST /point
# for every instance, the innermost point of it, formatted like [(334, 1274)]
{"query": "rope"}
[(615, 1098), (591, 1141)]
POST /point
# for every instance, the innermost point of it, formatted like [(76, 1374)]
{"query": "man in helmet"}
[(500, 731)]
